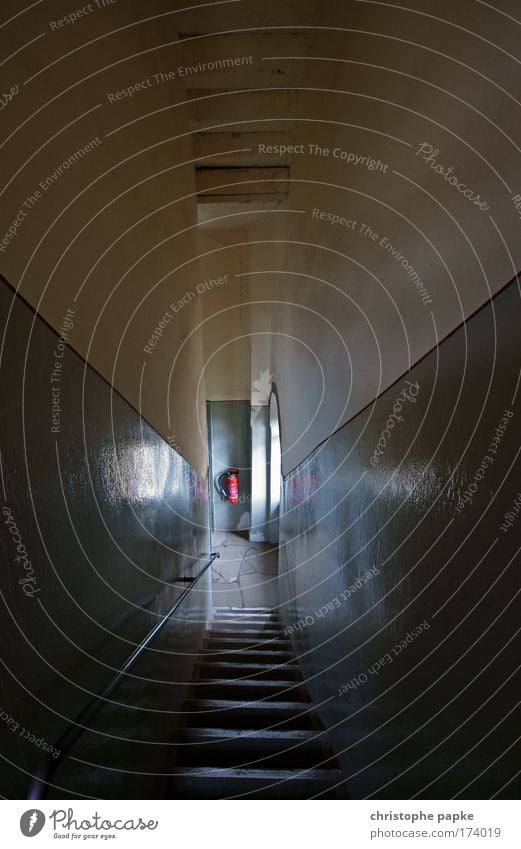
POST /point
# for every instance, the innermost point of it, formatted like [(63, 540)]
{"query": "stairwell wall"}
[(394, 542), (107, 515)]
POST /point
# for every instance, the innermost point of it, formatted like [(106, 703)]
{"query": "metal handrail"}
[(48, 765)]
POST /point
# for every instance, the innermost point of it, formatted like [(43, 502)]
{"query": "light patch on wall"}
[(139, 472)]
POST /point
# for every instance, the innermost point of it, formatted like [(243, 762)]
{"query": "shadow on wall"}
[(399, 547)]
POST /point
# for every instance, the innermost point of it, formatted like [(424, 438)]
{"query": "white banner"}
[(249, 824)]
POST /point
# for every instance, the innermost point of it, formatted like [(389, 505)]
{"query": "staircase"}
[(249, 730)]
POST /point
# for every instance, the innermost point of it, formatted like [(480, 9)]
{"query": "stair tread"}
[(299, 734), (291, 747), (250, 620), (247, 641), (224, 664), (260, 619), (269, 648), (247, 636), (300, 707), (249, 690), (256, 627), (276, 645), (244, 783), (228, 615), (242, 616), (275, 659), (253, 682), (234, 625), (246, 609), (242, 613), (247, 672), (327, 775), (233, 637)]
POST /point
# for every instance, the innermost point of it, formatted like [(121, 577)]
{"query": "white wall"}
[(404, 78)]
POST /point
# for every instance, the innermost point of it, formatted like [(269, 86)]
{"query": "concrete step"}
[(248, 689), (255, 671), (247, 622), (233, 627), (242, 612), (236, 713), (220, 747), (263, 611), (265, 657), (209, 783), (245, 617), (237, 643)]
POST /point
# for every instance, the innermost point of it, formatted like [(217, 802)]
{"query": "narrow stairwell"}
[(249, 729)]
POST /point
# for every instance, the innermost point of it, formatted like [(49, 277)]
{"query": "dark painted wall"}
[(230, 447), (109, 516), (400, 575)]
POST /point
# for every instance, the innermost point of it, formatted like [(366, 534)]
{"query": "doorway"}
[(246, 574), (274, 470), (229, 442)]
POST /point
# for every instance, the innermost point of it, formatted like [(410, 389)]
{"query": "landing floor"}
[(246, 573)]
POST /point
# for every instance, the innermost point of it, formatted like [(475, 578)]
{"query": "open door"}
[(274, 470)]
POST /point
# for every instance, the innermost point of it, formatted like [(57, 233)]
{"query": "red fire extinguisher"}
[(228, 485)]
